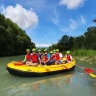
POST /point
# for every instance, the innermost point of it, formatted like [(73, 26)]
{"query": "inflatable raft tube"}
[(22, 70)]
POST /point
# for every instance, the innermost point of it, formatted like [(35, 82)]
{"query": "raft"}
[(22, 70)]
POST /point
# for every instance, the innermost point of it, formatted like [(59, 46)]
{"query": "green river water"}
[(74, 83)]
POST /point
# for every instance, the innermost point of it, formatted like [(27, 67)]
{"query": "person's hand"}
[(23, 62)]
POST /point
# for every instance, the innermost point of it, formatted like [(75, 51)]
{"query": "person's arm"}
[(66, 58), (24, 59), (39, 59), (61, 56), (71, 58)]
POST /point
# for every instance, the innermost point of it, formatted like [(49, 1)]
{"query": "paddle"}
[(18, 63), (66, 67), (88, 70), (92, 75)]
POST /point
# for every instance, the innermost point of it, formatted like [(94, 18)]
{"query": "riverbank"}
[(85, 58), (84, 55)]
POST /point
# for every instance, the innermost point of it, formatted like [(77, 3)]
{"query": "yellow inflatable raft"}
[(19, 69)]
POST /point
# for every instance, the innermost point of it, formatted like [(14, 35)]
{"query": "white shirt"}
[(60, 54)]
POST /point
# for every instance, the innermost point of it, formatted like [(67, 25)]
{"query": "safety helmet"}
[(57, 50), (51, 52), (28, 50), (54, 50), (68, 52), (34, 49), (45, 50), (39, 50)]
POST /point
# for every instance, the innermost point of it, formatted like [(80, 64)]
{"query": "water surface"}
[(74, 83)]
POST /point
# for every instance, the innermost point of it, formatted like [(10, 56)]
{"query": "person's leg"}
[(29, 63), (42, 63), (59, 62), (48, 63), (53, 62)]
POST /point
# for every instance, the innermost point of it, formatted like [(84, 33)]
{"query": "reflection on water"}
[(66, 84), (69, 84), (43, 85)]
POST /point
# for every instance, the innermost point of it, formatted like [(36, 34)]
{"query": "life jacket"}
[(57, 56), (28, 57), (45, 57), (52, 57), (34, 58), (68, 57)]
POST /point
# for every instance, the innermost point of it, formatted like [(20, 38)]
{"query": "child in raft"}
[(27, 58), (31, 58), (68, 57), (45, 58), (59, 57)]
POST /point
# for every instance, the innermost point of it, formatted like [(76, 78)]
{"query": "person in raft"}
[(34, 56), (68, 57), (27, 59), (58, 57), (39, 54), (53, 57), (45, 60)]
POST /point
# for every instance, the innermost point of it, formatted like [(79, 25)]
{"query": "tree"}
[(65, 43), (13, 40), (52, 47)]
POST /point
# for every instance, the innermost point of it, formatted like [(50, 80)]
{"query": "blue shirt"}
[(49, 56)]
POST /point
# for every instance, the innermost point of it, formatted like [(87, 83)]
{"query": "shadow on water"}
[(64, 84)]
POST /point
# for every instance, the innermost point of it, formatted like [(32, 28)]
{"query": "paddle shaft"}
[(66, 67)]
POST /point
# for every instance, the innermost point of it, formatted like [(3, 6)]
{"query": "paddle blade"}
[(92, 75), (88, 70), (18, 63)]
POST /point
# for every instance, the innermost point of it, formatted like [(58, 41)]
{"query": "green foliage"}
[(13, 40), (79, 44), (52, 47), (91, 53), (90, 38), (79, 52), (65, 43), (83, 53)]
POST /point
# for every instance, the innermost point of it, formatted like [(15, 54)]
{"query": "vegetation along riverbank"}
[(85, 55)]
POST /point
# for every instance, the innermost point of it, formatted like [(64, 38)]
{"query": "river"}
[(74, 83)]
